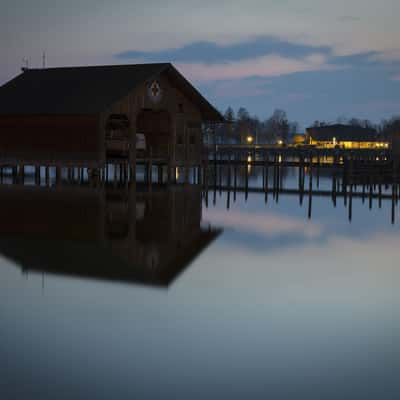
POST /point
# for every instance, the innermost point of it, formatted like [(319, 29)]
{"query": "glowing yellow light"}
[(280, 142), (176, 173), (249, 139), (249, 164)]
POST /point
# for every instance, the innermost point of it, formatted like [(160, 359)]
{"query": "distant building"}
[(345, 136), (87, 115), (298, 139)]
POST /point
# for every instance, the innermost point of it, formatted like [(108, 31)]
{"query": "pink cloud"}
[(297, 96), (266, 66), (269, 225), (383, 106), (389, 55), (239, 88)]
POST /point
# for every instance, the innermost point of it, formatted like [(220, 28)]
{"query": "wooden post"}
[(228, 198), (150, 167), (393, 202), (247, 182), (363, 190), (380, 194), (234, 179), (47, 175), (215, 186), (266, 177), (22, 173), (220, 179), (205, 178), (37, 175), (370, 196), (310, 182), (301, 180), (58, 175), (14, 174), (350, 202)]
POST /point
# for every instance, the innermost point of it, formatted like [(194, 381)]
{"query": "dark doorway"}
[(156, 128), (117, 136)]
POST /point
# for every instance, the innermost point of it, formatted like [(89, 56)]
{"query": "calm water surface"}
[(128, 294)]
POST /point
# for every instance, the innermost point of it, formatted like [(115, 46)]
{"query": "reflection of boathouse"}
[(87, 116), (112, 234)]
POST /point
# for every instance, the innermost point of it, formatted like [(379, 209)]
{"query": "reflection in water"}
[(106, 233), (278, 307), (305, 183)]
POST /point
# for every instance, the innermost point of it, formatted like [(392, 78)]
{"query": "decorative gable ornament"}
[(155, 92)]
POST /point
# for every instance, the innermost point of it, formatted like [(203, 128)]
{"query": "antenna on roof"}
[(44, 60), (25, 65)]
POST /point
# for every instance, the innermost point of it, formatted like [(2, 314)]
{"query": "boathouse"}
[(345, 136), (87, 116)]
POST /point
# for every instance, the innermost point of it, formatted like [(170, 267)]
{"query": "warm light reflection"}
[(249, 159), (249, 139)]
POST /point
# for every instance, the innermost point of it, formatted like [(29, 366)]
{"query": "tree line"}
[(241, 127)]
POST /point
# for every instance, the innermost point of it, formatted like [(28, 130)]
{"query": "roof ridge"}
[(99, 66)]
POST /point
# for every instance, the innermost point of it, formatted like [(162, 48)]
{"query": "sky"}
[(316, 59)]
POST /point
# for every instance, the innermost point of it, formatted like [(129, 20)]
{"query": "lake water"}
[(131, 293)]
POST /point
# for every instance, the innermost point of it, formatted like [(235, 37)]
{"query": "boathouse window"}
[(192, 138), (179, 139), (180, 107)]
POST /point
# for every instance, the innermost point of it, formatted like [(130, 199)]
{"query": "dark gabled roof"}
[(87, 90), (342, 133)]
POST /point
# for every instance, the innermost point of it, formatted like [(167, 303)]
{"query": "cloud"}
[(268, 225), (396, 77), (388, 56), (212, 52), (239, 88), (272, 65), (348, 18), (294, 96), (382, 106)]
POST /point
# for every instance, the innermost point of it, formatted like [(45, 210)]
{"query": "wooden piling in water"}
[(47, 175), (37, 175), (266, 177), (310, 187), (350, 202), (246, 183), (234, 182)]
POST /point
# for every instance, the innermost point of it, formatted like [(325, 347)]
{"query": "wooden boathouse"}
[(94, 116)]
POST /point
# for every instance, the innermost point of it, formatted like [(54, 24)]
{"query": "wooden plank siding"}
[(51, 138), (182, 114)]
